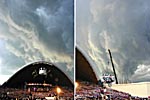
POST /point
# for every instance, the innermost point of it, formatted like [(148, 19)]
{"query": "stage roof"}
[(84, 71), (30, 74)]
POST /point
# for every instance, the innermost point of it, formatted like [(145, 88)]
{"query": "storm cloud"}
[(121, 26), (35, 30)]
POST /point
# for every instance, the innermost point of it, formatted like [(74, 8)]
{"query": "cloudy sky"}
[(123, 26), (33, 30)]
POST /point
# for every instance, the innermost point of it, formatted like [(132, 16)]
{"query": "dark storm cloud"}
[(49, 21), (121, 26), (33, 30)]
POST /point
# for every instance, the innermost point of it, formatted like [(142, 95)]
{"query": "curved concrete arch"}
[(84, 67), (24, 74)]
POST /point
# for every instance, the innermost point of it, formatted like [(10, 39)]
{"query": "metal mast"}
[(113, 67)]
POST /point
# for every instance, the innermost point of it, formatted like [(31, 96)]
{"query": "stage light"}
[(42, 71), (58, 90)]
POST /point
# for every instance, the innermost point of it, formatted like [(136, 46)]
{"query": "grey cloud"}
[(36, 30), (141, 73), (47, 19), (122, 27)]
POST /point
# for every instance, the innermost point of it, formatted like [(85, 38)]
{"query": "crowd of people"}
[(24, 94), (90, 91), (84, 91)]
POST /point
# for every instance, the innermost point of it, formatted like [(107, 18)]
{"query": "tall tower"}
[(113, 66)]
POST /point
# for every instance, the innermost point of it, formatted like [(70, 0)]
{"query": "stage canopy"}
[(84, 71), (39, 72)]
